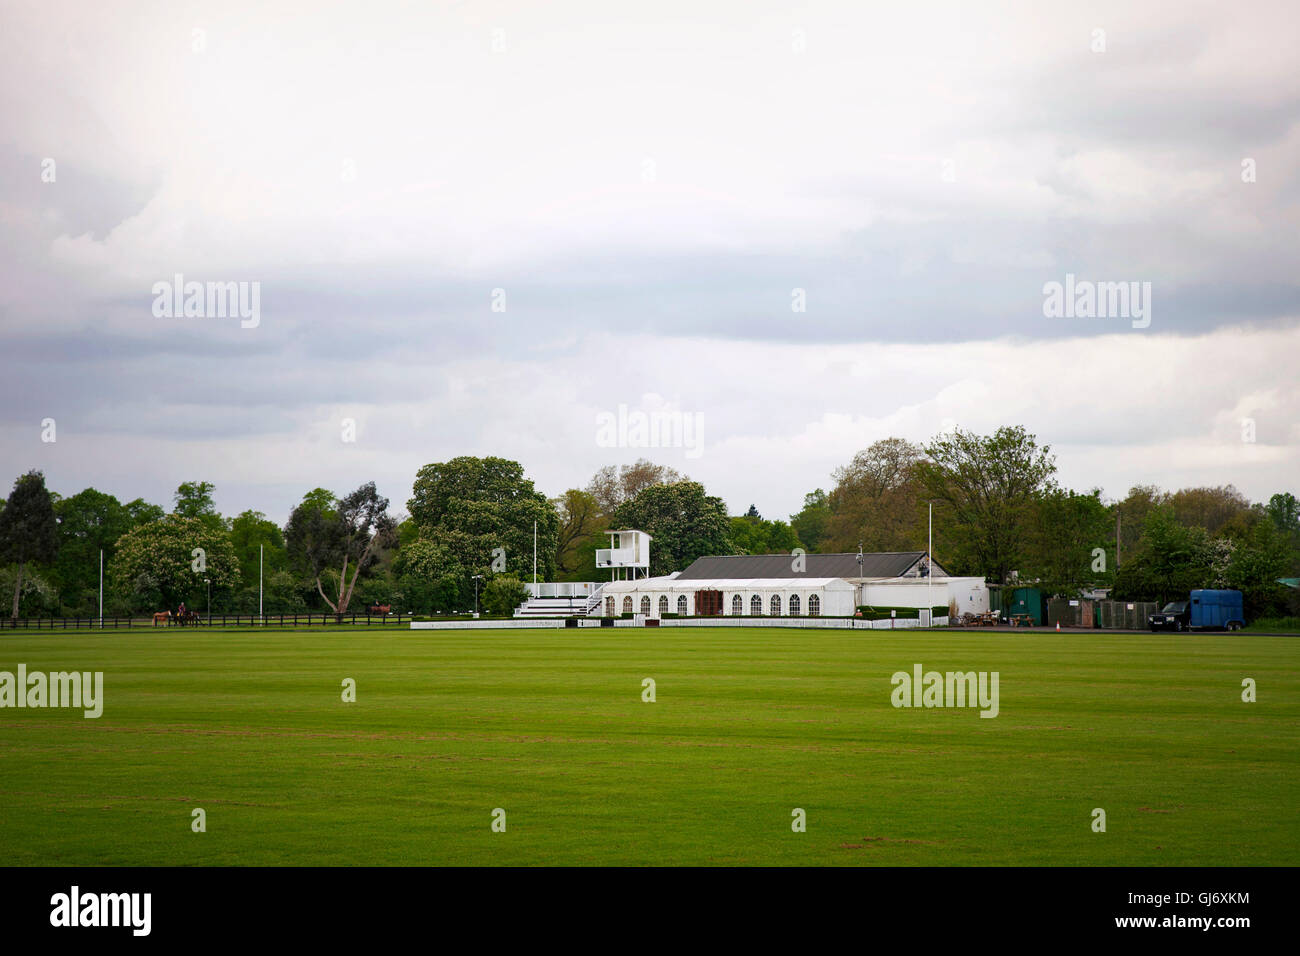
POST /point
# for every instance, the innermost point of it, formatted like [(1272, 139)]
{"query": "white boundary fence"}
[(857, 624)]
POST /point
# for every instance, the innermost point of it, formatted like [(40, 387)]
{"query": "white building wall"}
[(834, 595), (970, 593)]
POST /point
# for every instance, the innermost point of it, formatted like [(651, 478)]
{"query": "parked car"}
[(1205, 609), (1174, 616)]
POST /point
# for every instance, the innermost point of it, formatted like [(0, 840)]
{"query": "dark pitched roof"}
[(887, 564)]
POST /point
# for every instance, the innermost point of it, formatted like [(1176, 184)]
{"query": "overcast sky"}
[(649, 191)]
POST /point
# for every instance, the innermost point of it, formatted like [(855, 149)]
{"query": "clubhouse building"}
[(758, 585), (784, 585)]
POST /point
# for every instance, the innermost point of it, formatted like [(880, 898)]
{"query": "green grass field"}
[(748, 724)]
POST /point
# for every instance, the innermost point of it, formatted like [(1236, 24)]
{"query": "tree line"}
[(468, 530)]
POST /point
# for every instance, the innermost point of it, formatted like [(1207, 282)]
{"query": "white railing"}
[(619, 558), (800, 622), (562, 589)]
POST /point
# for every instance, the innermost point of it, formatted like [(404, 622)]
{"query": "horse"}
[(380, 609), (191, 617), (162, 617)]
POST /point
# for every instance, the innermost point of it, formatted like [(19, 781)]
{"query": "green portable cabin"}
[(1029, 601)]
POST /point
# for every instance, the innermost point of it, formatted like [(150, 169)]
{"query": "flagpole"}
[(260, 549), (534, 552), (101, 589)]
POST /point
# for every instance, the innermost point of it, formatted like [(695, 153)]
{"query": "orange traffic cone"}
[(1058, 627)]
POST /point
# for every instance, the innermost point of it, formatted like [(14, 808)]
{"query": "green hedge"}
[(878, 612)]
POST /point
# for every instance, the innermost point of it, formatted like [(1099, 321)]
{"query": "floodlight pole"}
[(929, 568), (534, 552), (101, 589), (260, 549)]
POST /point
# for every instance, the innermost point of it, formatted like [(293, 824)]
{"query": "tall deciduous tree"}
[(1131, 515), (811, 521), (161, 563), (89, 522), (429, 577), (756, 535), (257, 540), (685, 522), (1209, 508), (340, 542), (986, 486), (142, 512), (612, 486), (1064, 534), (1170, 561), (876, 500), (581, 522), (193, 499), (28, 528), (483, 510)]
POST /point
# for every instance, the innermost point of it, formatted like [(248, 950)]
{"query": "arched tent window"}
[(735, 605), (645, 604), (776, 605), (794, 605), (814, 605), (663, 604), (681, 604), (627, 604), (609, 606), (756, 605)]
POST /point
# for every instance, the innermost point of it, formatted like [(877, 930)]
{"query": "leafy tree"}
[(1171, 560), (1284, 511), (987, 487), (876, 501), (1132, 514), (155, 565), (89, 521), (141, 512), (193, 499), (37, 593), (322, 499), (408, 532), (1063, 534), (754, 535), (503, 594), (612, 486), (1260, 555), (474, 506), (581, 522), (346, 537), (28, 529), (256, 539), (811, 522), (1209, 508), (429, 577), (684, 521)]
